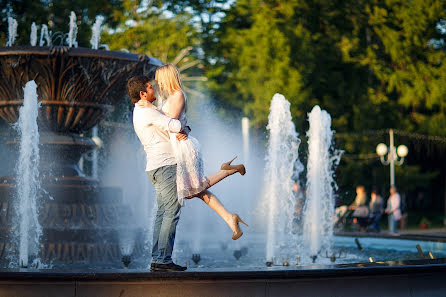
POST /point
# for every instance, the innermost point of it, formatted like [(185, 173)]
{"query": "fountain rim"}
[(311, 271), (74, 51)]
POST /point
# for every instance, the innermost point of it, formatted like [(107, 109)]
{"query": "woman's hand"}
[(181, 136)]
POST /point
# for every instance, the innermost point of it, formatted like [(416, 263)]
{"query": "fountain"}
[(72, 34), (27, 228), (319, 204), (33, 36), (44, 36), (96, 32), (75, 88), (283, 144), (245, 133), (12, 31)]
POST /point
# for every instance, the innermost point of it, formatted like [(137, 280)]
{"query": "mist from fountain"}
[(96, 32), (282, 153), (26, 224), (12, 31), (33, 36), (319, 204), (72, 34), (200, 229), (123, 166)]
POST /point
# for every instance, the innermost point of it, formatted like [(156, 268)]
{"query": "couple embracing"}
[(174, 161)]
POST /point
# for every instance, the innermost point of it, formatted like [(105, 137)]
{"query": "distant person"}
[(393, 209), (376, 206), (360, 209), (360, 200), (299, 199)]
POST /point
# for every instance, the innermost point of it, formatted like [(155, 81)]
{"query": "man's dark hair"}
[(135, 85)]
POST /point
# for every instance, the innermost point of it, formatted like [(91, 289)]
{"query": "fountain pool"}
[(345, 249)]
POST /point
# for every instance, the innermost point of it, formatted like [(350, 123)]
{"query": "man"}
[(393, 209), (376, 210), (151, 127)]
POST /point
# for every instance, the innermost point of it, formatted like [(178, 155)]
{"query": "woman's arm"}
[(176, 105)]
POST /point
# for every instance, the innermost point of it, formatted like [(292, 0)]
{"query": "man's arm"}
[(154, 117)]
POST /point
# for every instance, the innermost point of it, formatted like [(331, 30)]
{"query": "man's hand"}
[(182, 136)]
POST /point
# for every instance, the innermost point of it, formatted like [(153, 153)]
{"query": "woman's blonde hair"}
[(170, 77)]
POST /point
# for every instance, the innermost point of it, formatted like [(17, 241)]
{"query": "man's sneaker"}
[(166, 267)]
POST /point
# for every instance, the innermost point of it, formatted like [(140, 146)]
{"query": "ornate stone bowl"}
[(76, 86)]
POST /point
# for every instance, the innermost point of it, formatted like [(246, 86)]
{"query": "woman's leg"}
[(219, 176), (226, 170), (212, 201), (231, 219)]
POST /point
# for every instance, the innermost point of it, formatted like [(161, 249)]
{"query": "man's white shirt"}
[(151, 127)]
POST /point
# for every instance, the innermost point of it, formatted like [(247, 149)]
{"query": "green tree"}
[(207, 14), (289, 47), (155, 36), (168, 39), (402, 44)]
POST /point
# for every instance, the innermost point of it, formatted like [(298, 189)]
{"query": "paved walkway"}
[(426, 232), (434, 234)]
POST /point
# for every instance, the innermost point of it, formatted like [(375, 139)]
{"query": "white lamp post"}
[(392, 156)]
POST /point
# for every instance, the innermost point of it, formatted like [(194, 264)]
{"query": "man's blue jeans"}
[(164, 180), (374, 224)]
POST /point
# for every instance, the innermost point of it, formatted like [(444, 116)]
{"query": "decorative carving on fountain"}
[(76, 86)]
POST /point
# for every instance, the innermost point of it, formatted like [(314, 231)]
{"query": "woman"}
[(191, 181)]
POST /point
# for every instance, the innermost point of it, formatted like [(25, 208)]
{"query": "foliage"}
[(206, 14), (172, 40), (155, 36), (405, 54), (369, 63)]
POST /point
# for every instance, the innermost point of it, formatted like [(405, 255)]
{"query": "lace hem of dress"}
[(193, 191)]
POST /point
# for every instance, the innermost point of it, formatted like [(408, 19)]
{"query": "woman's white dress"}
[(190, 169)]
